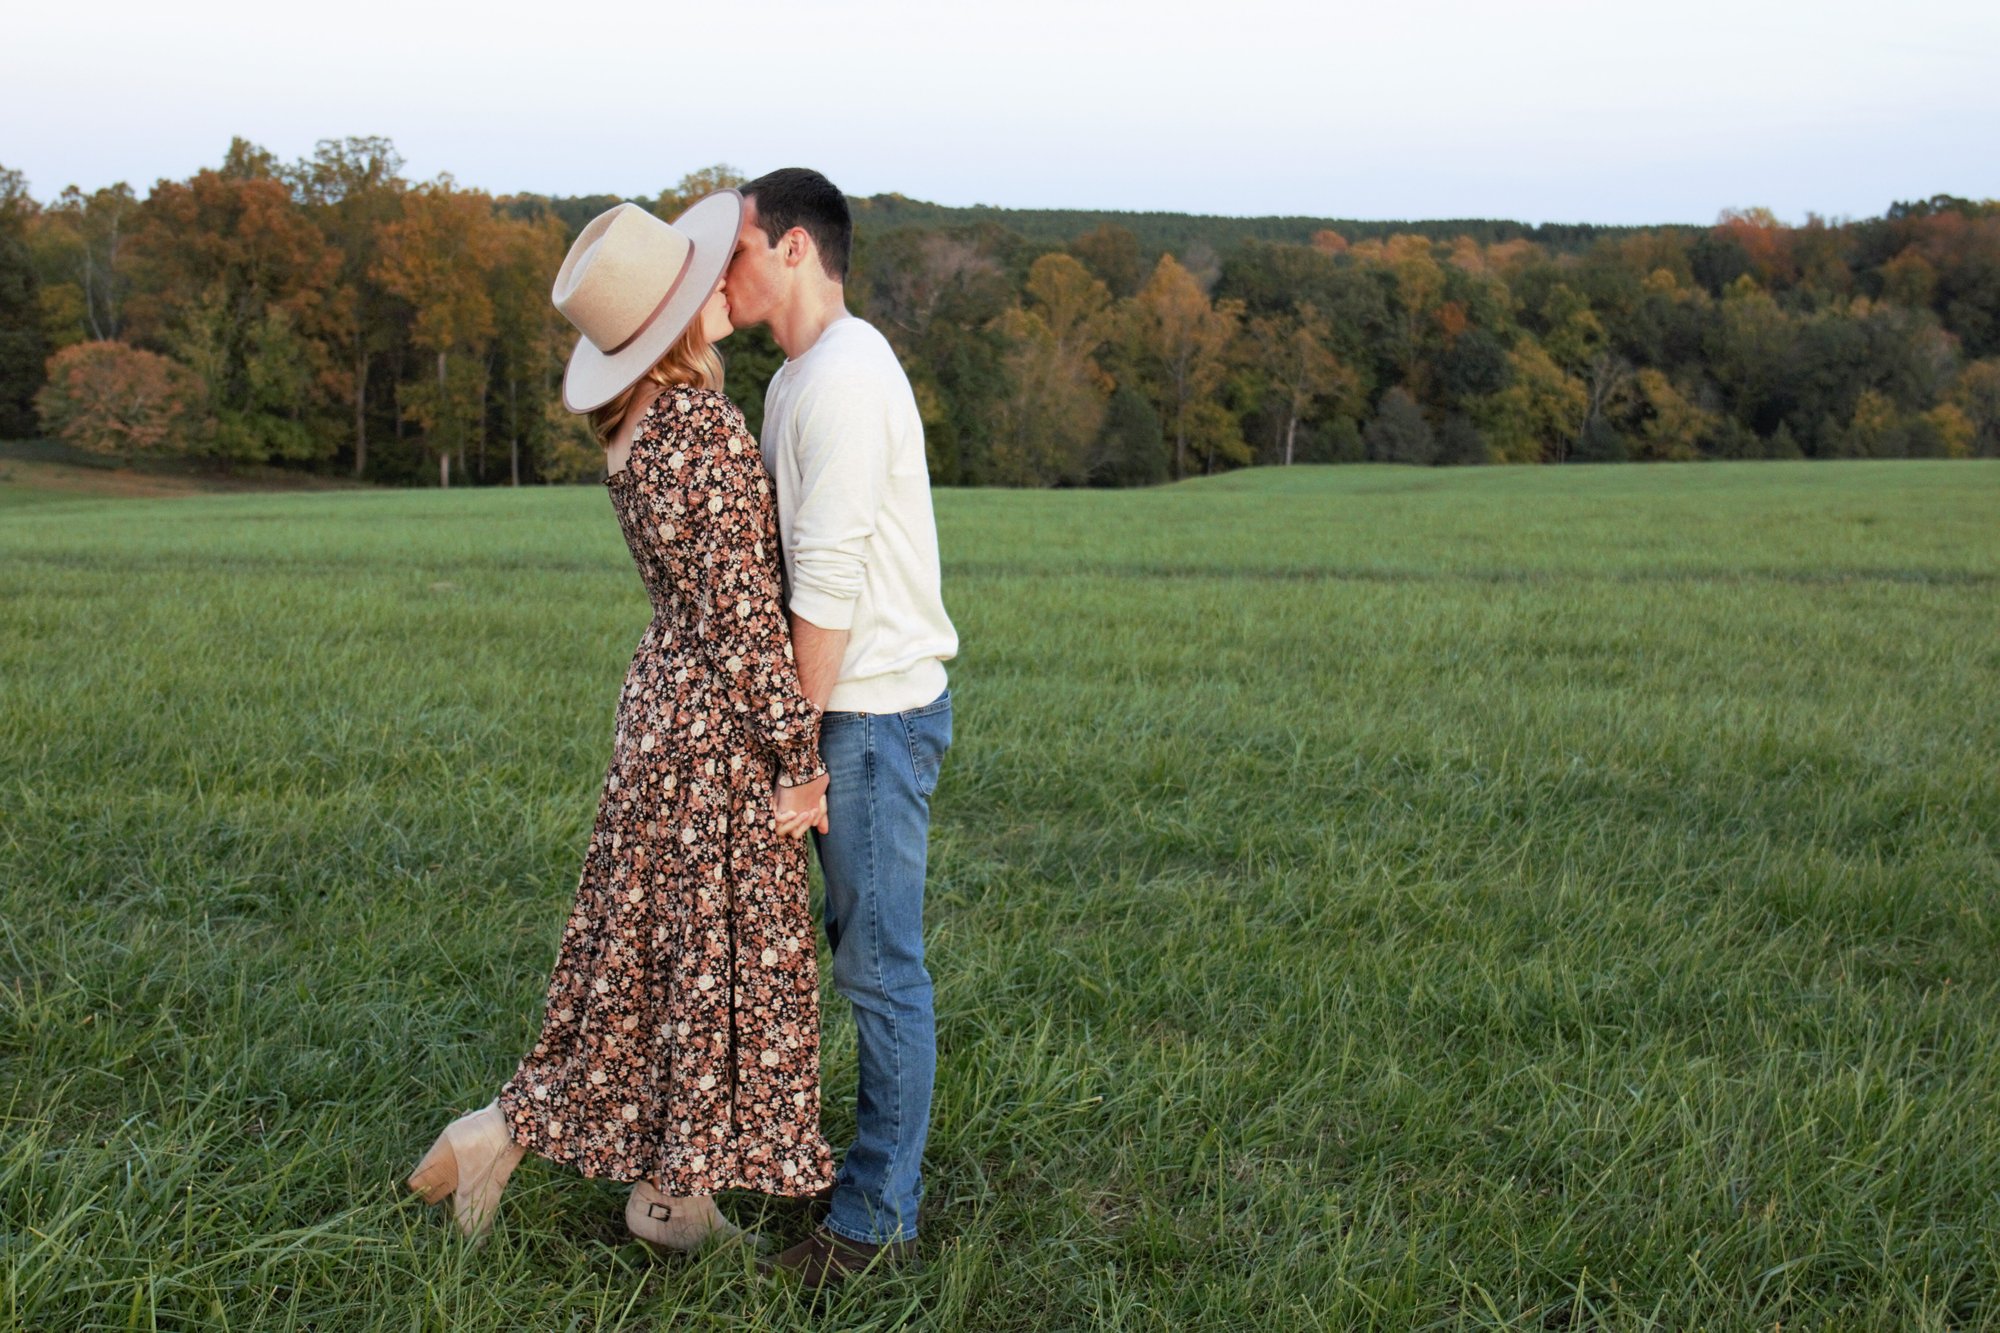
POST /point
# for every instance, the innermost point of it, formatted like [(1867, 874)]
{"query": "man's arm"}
[(840, 452), (817, 653)]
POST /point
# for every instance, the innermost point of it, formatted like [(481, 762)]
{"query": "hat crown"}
[(631, 284), (618, 275)]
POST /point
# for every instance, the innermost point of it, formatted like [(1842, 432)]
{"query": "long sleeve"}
[(844, 441), (718, 520), (843, 465)]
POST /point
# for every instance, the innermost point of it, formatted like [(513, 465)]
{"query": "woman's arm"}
[(714, 510)]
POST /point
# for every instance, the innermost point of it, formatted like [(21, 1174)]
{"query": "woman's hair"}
[(692, 361)]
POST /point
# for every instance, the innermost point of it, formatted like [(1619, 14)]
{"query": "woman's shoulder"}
[(685, 423), (685, 411)]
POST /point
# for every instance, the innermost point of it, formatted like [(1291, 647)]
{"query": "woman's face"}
[(715, 325)]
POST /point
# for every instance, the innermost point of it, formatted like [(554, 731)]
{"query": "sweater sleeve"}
[(842, 439), (715, 513)]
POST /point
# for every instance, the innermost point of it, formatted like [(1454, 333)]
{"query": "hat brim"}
[(594, 378)]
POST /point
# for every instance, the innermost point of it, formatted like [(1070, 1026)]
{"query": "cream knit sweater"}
[(845, 448)]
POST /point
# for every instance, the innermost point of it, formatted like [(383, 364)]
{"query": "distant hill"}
[(33, 471), (1176, 231), (881, 213)]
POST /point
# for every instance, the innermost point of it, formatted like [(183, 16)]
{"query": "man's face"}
[(756, 273)]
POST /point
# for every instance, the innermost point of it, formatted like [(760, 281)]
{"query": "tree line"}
[(328, 314)]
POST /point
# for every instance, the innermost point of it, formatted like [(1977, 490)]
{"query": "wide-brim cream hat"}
[(631, 284)]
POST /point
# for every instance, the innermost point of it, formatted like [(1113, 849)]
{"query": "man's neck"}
[(817, 306)]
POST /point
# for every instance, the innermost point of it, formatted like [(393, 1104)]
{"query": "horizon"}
[(1550, 112), (45, 197)]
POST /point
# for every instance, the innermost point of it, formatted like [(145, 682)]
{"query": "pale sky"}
[(1539, 110)]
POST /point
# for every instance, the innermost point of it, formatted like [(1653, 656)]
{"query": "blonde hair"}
[(691, 361)]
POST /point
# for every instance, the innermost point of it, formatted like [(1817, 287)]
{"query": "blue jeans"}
[(883, 769)]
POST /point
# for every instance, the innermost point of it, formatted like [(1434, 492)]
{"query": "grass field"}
[(1361, 898)]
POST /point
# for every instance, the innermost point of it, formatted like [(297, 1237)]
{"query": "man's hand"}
[(800, 808)]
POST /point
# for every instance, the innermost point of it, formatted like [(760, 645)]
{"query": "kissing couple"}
[(791, 681)]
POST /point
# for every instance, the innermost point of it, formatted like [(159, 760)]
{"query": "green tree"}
[(85, 262), (1131, 449), (1399, 433), (1474, 366), (1609, 397), (1111, 252), (23, 347), (1461, 442), (569, 451), (1298, 369), (1571, 332), (1746, 352), (938, 298)]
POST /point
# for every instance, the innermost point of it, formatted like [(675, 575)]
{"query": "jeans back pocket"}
[(928, 730)]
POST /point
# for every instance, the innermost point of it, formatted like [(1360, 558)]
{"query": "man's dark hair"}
[(800, 197)]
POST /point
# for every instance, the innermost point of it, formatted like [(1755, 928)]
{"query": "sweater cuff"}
[(823, 609)]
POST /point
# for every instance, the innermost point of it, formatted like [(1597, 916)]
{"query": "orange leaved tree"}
[(113, 399), (436, 256), (1181, 340)]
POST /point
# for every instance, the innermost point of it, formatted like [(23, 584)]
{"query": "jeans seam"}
[(881, 979)]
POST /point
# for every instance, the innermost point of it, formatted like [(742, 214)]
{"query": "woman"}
[(680, 1043)]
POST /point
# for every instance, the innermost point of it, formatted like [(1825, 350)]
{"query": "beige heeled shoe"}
[(664, 1223), (470, 1161)]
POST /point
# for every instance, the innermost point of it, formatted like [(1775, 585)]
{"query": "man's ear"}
[(797, 245)]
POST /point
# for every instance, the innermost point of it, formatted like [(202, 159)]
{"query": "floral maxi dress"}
[(680, 1043)]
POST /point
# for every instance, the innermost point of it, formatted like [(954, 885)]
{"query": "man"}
[(844, 445)]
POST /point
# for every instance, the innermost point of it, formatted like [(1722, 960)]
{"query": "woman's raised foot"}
[(470, 1161)]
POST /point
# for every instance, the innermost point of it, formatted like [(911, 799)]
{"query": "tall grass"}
[(1361, 898)]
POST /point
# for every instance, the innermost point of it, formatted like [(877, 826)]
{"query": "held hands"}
[(800, 808)]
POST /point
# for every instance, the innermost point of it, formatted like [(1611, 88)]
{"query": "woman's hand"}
[(800, 808)]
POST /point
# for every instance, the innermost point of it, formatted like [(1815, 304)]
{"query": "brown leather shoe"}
[(826, 1258)]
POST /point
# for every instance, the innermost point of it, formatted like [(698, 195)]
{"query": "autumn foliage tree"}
[(112, 399), (236, 283), (353, 191), (532, 340), (436, 257), (328, 314), (1046, 424), (1292, 354), (1181, 340)]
